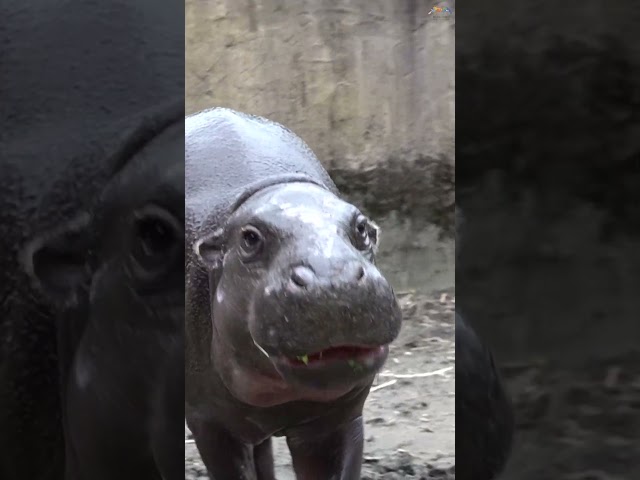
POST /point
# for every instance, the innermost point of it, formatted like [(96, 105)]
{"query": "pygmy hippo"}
[(102, 295), (287, 317), (121, 346), (92, 240), (484, 413)]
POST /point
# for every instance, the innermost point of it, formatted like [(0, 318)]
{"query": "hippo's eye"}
[(157, 238), (251, 241), (363, 239)]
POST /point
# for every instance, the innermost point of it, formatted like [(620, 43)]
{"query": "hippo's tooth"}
[(260, 348), (304, 359)]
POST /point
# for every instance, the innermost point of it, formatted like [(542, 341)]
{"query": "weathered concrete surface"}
[(360, 80), (549, 174), (369, 84)]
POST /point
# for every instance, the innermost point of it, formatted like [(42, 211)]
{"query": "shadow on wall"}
[(368, 84), (552, 234)]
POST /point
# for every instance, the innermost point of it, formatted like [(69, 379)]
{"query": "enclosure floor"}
[(410, 424), (578, 423)]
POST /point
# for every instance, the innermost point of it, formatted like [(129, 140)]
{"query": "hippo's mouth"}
[(348, 353), (342, 365), (333, 369)]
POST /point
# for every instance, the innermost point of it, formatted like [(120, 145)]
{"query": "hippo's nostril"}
[(302, 276), (359, 273), (352, 272)]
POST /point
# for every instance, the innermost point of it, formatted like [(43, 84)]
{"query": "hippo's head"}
[(138, 270), (117, 271), (297, 298)]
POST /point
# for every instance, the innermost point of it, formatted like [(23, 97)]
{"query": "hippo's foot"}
[(227, 458), (336, 456)]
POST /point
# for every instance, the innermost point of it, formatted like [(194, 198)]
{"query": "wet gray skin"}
[(318, 315), (288, 318)]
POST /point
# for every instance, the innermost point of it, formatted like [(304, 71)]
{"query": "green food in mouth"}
[(355, 365)]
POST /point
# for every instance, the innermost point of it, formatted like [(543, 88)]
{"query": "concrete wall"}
[(369, 84), (548, 171)]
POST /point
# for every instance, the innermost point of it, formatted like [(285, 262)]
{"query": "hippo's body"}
[(484, 414), (276, 277), (91, 134)]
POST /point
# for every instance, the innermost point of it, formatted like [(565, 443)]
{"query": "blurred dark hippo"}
[(122, 347), (288, 319), (484, 413), (91, 240)]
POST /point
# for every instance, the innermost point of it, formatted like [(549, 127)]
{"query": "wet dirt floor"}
[(578, 423), (410, 413)]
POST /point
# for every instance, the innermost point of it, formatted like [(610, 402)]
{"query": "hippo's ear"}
[(210, 250), (58, 262)]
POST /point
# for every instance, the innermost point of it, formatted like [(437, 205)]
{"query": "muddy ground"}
[(409, 421), (577, 423)]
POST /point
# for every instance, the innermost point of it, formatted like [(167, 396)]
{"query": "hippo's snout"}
[(326, 323), (304, 276), (325, 303)]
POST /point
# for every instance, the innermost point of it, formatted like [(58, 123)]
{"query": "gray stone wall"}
[(549, 173), (368, 84)]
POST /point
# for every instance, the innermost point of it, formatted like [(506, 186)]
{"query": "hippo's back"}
[(228, 153)]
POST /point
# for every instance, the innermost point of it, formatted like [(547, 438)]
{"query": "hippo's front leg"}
[(335, 456), (225, 457)]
